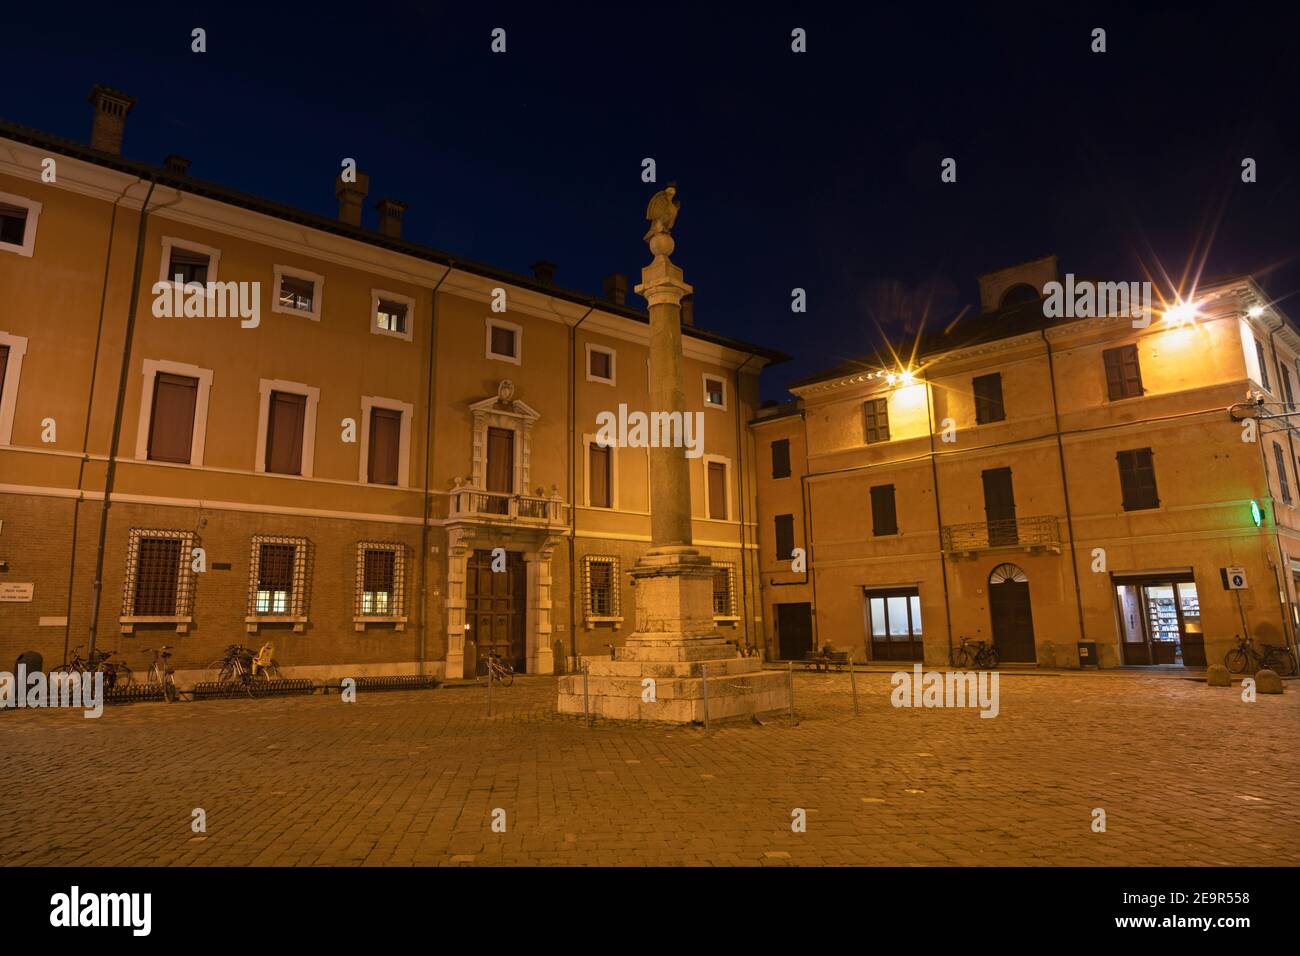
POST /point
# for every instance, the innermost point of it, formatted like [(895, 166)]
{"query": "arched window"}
[(1019, 294), (1007, 572)]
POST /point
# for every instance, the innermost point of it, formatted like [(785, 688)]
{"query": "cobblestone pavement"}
[(1187, 774)]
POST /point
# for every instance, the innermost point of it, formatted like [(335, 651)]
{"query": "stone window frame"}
[(17, 345), (404, 449), (587, 441), (265, 387), (198, 436), (406, 300), (27, 249), (297, 613), (518, 358), (613, 364), (616, 598), (710, 377), (730, 568), (359, 619), (185, 581), (727, 470), (318, 292), (174, 242)]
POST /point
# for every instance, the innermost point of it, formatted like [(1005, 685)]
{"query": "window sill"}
[(593, 620), (253, 620), (361, 620), (732, 619), (128, 623)]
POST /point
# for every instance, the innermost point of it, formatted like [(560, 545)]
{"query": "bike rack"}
[(397, 682), (133, 694), (205, 690)]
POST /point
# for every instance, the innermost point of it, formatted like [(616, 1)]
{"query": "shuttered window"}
[(601, 490), (171, 425), (717, 491), (1263, 365), (884, 515), (1123, 374), (781, 458), (286, 413), (385, 445), (503, 341), (4, 367), (1137, 478), (1284, 485), (1286, 386), (988, 399), (600, 364), (877, 414), (784, 537)]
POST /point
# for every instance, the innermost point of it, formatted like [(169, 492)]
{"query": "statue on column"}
[(661, 213)]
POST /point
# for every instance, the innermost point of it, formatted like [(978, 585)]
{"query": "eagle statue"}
[(662, 212)]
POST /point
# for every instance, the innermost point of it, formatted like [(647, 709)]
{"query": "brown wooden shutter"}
[(884, 513), (503, 341), (999, 507), (1137, 478), (171, 428), (600, 491), (781, 458), (501, 460), (877, 413), (784, 536), (717, 491), (1279, 459), (286, 414), (385, 445), (4, 367), (1123, 373), (599, 364), (988, 399)]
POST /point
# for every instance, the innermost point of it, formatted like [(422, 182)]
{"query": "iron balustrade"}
[(495, 505), (1039, 532)]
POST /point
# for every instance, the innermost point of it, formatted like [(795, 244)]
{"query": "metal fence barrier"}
[(397, 682), (133, 694), (208, 689)]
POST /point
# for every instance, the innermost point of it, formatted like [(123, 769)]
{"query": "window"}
[(716, 472), (172, 426), (715, 391), (391, 313), (381, 582), (12, 350), (1123, 374), (504, 341), (1000, 507), (600, 484), (277, 579), (884, 515), (284, 427), (297, 292), (385, 441), (601, 587), (159, 577), (877, 413), (724, 589), (18, 218), (1287, 394), (895, 621), (192, 261), (781, 458), (784, 537), (1137, 478), (988, 399), (1280, 460), (171, 421), (1263, 365), (600, 364)]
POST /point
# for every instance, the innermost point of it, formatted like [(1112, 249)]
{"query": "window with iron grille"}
[(1123, 373), (724, 589), (600, 584), (381, 579), (277, 576), (159, 577), (877, 413)]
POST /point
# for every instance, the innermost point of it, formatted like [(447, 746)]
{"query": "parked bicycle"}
[(161, 671), (1244, 658), (234, 665), (975, 654), (499, 669), (116, 673)]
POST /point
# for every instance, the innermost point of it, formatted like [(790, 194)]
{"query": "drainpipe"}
[(938, 511), (1065, 484), (1280, 574), (740, 483), (428, 457), (573, 479), (123, 379)]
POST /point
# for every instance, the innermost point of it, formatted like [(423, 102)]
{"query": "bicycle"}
[(499, 669), (116, 673), (1280, 660), (975, 654), (161, 672)]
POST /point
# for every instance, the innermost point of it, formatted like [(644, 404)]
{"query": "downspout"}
[(428, 457), (1065, 484), (938, 512), (1280, 573), (123, 378), (740, 480), (573, 492)]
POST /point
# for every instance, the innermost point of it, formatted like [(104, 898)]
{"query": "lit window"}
[(715, 391)]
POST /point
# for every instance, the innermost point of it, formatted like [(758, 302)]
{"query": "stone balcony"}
[(490, 507), (1039, 533)]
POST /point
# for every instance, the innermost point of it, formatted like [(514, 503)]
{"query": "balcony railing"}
[(1038, 533), (496, 506)]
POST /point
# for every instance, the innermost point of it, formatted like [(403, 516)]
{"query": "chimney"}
[(109, 122), (177, 165), (543, 271), (390, 217), (351, 196), (616, 288), (688, 309)]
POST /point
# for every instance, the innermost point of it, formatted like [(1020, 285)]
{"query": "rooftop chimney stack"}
[(109, 123), (351, 196), (390, 217), (543, 271), (177, 165), (616, 288), (688, 309)]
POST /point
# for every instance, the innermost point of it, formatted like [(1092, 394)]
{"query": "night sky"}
[(817, 170)]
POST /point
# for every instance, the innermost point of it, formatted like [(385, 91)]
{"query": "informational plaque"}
[(16, 592)]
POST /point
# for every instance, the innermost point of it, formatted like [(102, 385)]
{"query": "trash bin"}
[(1088, 654), (31, 660)]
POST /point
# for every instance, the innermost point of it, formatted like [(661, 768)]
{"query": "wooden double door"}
[(495, 607), (1012, 621)]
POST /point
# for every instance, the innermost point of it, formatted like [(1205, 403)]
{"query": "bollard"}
[(789, 680), (853, 682), (489, 689), (704, 686), (586, 709)]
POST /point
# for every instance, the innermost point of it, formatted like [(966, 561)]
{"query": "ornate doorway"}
[(1011, 614), (495, 603)]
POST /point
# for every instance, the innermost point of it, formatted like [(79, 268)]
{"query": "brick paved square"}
[(1187, 775)]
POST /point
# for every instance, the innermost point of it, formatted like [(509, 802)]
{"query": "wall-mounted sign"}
[(16, 592), (1234, 579)]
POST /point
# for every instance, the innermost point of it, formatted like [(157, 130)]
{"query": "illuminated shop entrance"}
[(894, 623), (1160, 619)]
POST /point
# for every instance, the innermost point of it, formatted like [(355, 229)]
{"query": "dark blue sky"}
[(818, 170)]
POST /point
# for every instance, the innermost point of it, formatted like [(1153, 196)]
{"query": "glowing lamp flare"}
[(1183, 313)]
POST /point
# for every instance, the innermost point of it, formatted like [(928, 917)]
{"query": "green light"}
[(1255, 514)]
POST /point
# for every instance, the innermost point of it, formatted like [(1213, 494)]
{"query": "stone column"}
[(670, 477)]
